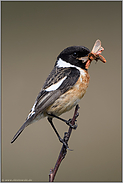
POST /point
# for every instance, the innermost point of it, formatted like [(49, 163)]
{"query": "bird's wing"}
[(58, 82)]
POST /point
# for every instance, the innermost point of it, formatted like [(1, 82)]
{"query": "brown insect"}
[(95, 54)]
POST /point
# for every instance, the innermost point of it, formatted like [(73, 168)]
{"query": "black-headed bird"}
[(64, 87)]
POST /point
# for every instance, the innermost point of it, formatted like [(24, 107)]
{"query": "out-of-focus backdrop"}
[(33, 34)]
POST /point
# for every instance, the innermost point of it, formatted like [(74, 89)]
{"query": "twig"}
[(63, 151)]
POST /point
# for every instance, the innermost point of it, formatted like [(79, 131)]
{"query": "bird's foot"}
[(64, 141), (72, 126)]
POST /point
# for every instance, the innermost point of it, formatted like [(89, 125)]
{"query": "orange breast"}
[(69, 99)]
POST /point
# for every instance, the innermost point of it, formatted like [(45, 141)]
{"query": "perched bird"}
[(64, 87)]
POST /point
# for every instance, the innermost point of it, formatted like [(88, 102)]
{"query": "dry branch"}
[(63, 151)]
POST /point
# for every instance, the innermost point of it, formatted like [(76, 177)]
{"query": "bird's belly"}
[(69, 99)]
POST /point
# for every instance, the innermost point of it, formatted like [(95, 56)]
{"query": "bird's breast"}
[(82, 84), (70, 98)]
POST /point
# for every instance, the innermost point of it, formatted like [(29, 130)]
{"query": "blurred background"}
[(33, 34)]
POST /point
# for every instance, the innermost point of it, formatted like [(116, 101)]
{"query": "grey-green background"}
[(33, 34)]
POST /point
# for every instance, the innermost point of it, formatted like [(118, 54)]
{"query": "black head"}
[(75, 55)]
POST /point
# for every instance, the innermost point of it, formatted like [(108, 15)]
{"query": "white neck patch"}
[(64, 64)]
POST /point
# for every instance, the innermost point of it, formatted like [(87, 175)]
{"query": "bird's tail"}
[(20, 130)]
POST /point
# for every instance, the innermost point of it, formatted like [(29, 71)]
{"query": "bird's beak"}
[(95, 54), (83, 59)]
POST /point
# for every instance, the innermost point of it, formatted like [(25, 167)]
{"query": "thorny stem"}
[(63, 151)]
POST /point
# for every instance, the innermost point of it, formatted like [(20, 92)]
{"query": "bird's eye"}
[(74, 54)]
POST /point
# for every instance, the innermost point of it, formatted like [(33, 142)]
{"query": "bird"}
[(64, 87)]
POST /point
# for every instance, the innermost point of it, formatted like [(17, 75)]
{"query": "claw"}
[(72, 126), (69, 149), (75, 126), (64, 143), (69, 121)]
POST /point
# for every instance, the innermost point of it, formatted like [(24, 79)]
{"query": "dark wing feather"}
[(56, 75), (47, 100)]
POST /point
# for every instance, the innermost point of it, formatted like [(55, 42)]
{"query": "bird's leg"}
[(60, 139), (68, 122)]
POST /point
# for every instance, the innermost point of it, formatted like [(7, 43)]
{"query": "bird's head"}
[(74, 56), (80, 56)]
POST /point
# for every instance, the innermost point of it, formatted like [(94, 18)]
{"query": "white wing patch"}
[(62, 63), (32, 111), (56, 85), (33, 108)]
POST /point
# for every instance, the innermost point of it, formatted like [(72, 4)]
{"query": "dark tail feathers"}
[(20, 130)]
